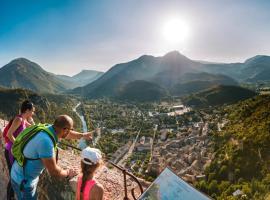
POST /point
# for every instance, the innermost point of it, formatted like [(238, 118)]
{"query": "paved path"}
[(128, 154)]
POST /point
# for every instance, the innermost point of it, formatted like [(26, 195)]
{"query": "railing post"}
[(124, 171), (125, 184)]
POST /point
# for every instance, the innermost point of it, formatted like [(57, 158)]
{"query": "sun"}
[(176, 31)]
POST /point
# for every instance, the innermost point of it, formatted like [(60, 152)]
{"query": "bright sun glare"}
[(176, 31)]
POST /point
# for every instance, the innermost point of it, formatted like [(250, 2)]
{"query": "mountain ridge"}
[(23, 73), (166, 71)]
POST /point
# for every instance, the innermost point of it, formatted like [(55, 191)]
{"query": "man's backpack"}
[(24, 137)]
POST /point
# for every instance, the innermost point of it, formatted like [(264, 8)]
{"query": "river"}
[(82, 143)]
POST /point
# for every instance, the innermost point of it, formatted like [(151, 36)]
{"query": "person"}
[(87, 186), (19, 123), (40, 152)]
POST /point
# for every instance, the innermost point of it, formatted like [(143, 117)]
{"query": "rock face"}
[(3, 174), (4, 177)]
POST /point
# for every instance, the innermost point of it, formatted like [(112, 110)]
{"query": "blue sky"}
[(66, 36)]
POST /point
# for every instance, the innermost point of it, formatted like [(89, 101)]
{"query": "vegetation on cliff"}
[(218, 96), (48, 106), (242, 153)]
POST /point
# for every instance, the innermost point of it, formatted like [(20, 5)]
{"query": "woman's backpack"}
[(5, 131)]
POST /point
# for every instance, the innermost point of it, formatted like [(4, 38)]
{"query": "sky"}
[(66, 36)]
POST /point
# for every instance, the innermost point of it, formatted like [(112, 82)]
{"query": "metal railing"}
[(125, 173)]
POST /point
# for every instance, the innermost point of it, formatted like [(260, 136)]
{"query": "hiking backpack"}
[(5, 131), (24, 137)]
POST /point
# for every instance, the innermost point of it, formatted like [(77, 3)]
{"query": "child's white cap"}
[(92, 154)]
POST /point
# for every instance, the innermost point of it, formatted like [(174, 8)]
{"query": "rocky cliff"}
[(110, 178), (3, 167)]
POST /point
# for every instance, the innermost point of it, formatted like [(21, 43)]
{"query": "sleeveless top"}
[(16, 133), (8, 145), (88, 186)]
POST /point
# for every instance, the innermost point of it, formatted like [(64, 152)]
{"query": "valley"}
[(194, 118)]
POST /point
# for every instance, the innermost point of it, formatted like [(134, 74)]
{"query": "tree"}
[(223, 172), (213, 187)]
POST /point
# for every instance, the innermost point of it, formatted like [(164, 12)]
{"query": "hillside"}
[(47, 106), (81, 79), (218, 96), (22, 73), (251, 70), (262, 76), (255, 66), (142, 91), (242, 152), (191, 83)]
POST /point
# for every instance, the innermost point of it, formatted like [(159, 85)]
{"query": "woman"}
[(87, 187), (19, 123)]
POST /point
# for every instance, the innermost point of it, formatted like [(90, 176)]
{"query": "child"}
[(87, 187)]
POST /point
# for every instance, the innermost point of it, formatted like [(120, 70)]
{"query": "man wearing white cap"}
[(87, 187)]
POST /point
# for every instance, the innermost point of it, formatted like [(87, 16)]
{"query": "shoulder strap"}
[(79, 184), (20, 116), (50, 134)]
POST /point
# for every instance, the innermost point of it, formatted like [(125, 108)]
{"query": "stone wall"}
[(3, 173)]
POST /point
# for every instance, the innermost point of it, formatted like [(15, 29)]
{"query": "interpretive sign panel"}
[(168, 186)]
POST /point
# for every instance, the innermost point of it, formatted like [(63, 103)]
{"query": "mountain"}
[(173, 72), (257, 68), (173, 66), (83, 78), (87, 74), (22, 73), (195, 82), (218, 96), (142, 91), (164, 71), (263, 75), (252, 70)]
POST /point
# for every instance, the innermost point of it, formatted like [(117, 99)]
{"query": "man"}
[(41, 146)]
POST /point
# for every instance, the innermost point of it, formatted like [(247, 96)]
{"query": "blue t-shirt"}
[(40, 146)]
